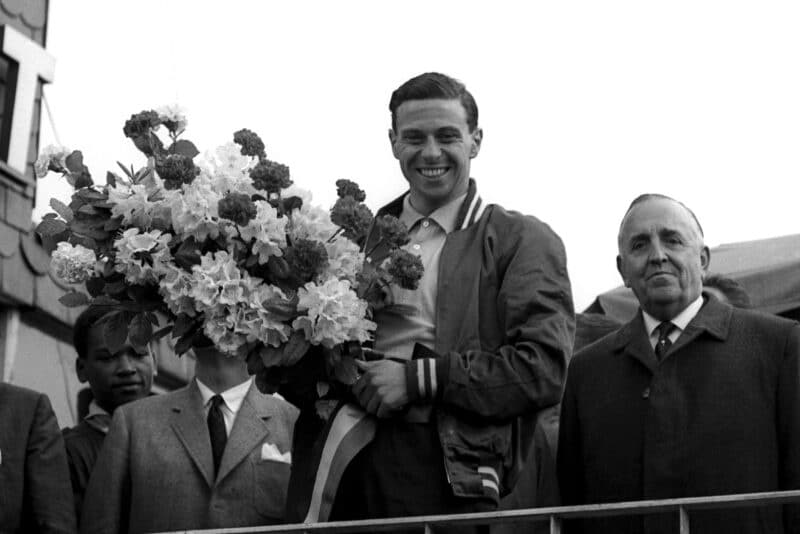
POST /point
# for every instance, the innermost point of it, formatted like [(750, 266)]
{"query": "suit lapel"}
[(634, 341), (191, 428), (714, 317), (249, 430)]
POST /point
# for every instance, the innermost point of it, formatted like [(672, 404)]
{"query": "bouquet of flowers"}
[(222, 250)]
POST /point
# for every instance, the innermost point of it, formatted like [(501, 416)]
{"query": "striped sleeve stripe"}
[(426, 378), (421, 377), (489, 478)]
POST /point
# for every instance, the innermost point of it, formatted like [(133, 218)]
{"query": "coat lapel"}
[(714, 317), (634, 341), (249, 430), (190, 426)]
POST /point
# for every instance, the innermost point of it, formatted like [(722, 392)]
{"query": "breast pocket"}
[(271, 480)]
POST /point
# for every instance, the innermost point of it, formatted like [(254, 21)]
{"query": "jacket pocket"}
[(271, 480)]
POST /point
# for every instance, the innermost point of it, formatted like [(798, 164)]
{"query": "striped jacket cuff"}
[(424, 374)]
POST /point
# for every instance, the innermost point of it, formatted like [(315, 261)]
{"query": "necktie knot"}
[(217, 401), (663, 344)]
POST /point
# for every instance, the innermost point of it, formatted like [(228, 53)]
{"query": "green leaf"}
[(141, 330), (74, 299), (346, 371), (104, 300), (184, 344), (51, 227), (295, 348), (128, 173), (87, 242), (112, 224), (161, 332), (88, 209), (282, 310), (183, 325), (95, 286), (115, 288), (62, 209), (75, 162), (111, 179), (270, 356), (115, 330), (184, 148)]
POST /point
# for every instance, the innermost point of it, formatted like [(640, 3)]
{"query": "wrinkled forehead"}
[(656, 216), (431, 113)]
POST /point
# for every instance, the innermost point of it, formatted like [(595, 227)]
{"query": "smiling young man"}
[(691, 398), (485, 350), (114, 379)]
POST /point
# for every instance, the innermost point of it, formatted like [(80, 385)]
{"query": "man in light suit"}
[(692, 397), (35, 494), (212, 455)]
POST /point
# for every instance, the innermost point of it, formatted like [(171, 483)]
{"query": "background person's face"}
[(114, 378), (662, 257), (434, 146)]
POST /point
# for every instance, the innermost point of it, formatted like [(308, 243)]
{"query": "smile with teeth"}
[(432, 172)]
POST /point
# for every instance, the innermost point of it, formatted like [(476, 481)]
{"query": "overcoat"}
[(720, 414), (156, 472)]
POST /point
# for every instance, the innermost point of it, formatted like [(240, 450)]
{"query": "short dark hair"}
[(83, 324), (658, 196), (434, 85), (734, 291)]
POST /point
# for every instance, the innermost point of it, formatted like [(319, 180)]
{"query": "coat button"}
[(646, 393)]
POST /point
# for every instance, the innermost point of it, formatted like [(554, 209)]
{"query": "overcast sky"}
[(584, 105)]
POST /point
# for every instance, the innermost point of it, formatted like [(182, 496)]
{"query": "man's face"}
[(114, 378), (434, 146), (662, 257)]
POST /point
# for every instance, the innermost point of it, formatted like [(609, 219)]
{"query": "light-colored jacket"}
[(156, 473)]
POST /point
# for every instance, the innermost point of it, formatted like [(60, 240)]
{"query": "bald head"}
[(662, 257)]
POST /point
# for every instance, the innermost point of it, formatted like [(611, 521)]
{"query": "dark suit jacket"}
[(719, 415), (83, 443), (155, 471), (35, 493)]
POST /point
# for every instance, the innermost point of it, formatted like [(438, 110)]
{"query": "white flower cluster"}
[(175, 114), (334, 315), (73, 264), (142, 257), (51, 155)]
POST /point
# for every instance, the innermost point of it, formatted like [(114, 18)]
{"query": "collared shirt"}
[(681, 321), (98, 418), (397, 332), (232, 400)]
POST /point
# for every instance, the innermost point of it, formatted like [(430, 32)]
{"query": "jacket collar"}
[(713, 318), (470, 211)]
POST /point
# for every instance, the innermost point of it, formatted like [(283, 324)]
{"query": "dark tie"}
[(216, 430), (663, 344)]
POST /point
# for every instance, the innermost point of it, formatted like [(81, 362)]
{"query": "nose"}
[(431, 150), (125, 365), (658, 253)]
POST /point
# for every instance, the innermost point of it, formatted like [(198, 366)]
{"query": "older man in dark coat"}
[(692, 397)]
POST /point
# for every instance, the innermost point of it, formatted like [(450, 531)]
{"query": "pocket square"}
[(270, 451)]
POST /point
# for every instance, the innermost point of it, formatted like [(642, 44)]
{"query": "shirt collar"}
[(232, 397), (95, 409), (681, 320), (445, 216)]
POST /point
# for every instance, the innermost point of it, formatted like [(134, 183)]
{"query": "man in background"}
[(114, 379), (214, 454), (692, 397), (35, 494)]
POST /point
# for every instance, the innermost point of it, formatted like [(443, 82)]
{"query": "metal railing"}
[(555, 516)]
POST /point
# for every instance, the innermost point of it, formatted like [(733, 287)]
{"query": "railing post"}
[(555, 525), (428, 528), (684, 520)]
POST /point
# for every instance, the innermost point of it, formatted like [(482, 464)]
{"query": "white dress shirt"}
[(231, 401), (681, 321)]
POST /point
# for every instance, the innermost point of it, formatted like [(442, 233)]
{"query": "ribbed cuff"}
[(423, 374)]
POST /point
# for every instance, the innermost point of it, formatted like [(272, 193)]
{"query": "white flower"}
[(195, 212), (73, 264), (176, 287), (334, 314), (52, 157), (295, 191), (267, 230), (175, 114), (311, 222), (142, 256), (227, 170), (218, 282), (345, 260), (131, 202)]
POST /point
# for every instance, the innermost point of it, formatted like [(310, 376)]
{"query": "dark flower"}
[(251, 143), (175, 170), (237, 207), (306, 258), (352, 216), (270, 176), (393, 231), (405, 268), (348, 188), (141, 124)]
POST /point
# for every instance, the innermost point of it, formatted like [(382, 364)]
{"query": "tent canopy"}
[(768, 269)]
